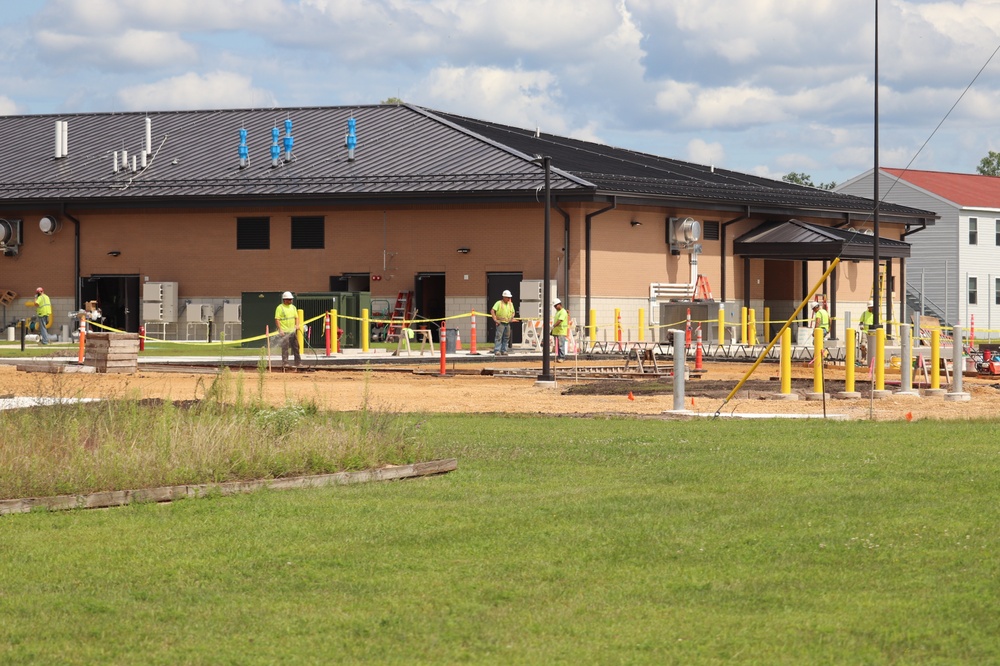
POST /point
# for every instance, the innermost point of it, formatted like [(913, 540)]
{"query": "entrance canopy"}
[(795, 240)]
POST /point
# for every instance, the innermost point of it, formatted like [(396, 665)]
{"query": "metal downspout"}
[(591, 216), (722, 258), (78, 296)]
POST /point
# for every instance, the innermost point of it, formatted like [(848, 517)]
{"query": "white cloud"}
[(703, 152), (215, 90), (132, 49), (8, 107), (524, 99)]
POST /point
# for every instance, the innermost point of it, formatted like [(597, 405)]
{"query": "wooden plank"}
[(101, 500)]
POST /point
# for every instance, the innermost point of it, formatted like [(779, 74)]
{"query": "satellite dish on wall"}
[(49, 225)]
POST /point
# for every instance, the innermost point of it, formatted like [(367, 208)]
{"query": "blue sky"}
[(759, 86)]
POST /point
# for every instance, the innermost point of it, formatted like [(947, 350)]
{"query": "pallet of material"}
[(112, 352)]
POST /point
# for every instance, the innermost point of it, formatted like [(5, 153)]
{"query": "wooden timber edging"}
[(104, 500)]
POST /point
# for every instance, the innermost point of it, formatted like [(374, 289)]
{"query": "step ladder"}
[(400, 313), (881, 288), (703, 290)]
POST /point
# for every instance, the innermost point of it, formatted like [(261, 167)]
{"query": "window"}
[(307, 233), (973, 231), (997, 235), (996, 291), (973, 290), (253, 233)]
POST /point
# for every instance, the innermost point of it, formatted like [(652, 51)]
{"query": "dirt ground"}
[(420, 388)]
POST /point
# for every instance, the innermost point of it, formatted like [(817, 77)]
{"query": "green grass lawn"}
[(557, 541)]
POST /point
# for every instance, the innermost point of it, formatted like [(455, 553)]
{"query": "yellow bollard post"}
[(935, 359), (722, 325), (752, 326), (743, 325), (592, 327), (817, 360), (767, 323), (849, 360), (366, 335), (880, 359), (642, 324), (786, 362), (618, 324), (299, 319), (335, 341)]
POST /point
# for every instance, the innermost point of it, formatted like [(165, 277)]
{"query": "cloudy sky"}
[(760, 86)]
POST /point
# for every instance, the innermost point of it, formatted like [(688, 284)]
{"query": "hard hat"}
[(557, 302), (871, 304), (506, 294), (39, 290), (815, 306), (287, 296)]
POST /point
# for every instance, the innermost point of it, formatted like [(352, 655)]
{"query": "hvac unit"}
[(532, 293), (159, 302), (232, 313), (198, 313)]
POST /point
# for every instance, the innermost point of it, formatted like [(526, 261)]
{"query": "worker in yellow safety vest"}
[(560, 329), (864, 327), (43, 315), (503, 314), (286, 321)]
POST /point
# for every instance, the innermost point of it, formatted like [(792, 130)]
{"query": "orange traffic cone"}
[(458, 339), (630, 396), (909, 416)]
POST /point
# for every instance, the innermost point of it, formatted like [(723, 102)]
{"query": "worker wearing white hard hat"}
[(560, 329), (503, 314), (865, 323), (286, 323)]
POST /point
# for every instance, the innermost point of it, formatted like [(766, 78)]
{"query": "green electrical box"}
[(258, 313)]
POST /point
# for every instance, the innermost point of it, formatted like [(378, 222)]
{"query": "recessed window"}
[(973, 231), (253, 233), (973, 291), (308, 233), (996, 291), (997, 234)]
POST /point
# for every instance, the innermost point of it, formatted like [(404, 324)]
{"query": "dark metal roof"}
[(801, 241), (617, 170), (402, 152)]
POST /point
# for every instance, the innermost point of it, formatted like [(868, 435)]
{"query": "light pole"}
[(546, 375)]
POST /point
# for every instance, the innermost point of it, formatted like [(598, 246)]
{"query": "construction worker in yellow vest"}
[(821, 320), (286, 321), (865, 324), (43, 315), (560, 329), (503, 314)]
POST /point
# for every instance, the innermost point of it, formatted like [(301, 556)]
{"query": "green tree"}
[(990, 165), (393, 100), (806, 179)]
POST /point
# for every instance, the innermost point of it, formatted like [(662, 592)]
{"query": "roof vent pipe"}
[(289, 140), (244, 151), (62, 139), (149, 140), (133, 164), (142, 159), (275, 150), (114, 167), (352, 138), (124, 158)]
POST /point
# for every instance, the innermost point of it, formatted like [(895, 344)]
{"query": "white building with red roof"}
[(954, 264)]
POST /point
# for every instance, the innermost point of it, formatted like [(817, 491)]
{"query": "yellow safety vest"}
[(44, 305), (286, 315), (504, 311), (560, 322)]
